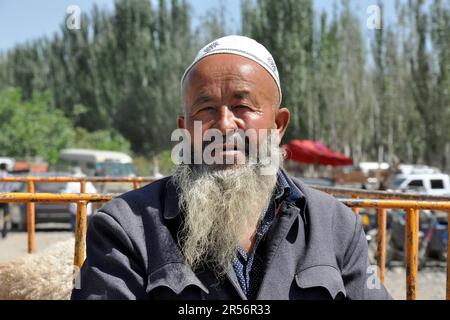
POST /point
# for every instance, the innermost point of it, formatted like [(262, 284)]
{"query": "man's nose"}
[(225, 120)]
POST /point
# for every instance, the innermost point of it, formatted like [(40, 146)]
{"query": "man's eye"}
[(208, 108), (242, 107)]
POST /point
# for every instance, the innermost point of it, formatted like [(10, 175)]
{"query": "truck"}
[(422, 180)]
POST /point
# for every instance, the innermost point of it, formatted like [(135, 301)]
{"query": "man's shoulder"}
[(312, 194), (331, 224), (150, 192), (135, 218), (323, 206)]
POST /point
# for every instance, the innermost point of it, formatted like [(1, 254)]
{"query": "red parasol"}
[(315, 152)]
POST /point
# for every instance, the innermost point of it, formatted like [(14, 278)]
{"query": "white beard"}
[(220, 205)]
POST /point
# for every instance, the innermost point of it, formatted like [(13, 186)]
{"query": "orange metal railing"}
[(81, 225), (411, 203), (32, 180), (412, 208)]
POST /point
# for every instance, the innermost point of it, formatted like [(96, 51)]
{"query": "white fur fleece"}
[(45, 275)]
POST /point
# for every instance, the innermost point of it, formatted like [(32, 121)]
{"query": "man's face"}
[(229, 93), (222, 207)]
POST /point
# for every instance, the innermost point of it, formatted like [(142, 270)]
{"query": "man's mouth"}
[(227, 149), (232, 152)]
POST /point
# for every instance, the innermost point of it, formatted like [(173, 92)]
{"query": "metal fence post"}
[(80, 234), (31, 219), (412, 249), (381, 242), (83, 186)]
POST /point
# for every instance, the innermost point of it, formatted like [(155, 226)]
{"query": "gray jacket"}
[(316, 249)]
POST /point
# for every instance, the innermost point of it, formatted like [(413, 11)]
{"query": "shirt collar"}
[(286, 189)]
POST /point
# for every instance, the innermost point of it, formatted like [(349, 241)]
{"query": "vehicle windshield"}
[(117, 169), (87, 168)]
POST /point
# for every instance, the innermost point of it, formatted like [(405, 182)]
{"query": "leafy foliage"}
[(376, 95), (32, 128)]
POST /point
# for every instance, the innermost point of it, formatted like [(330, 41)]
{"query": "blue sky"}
[(23, 20)]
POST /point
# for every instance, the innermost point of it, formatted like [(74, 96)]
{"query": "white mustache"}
[(234, 141)]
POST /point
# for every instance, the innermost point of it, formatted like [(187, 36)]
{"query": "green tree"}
[(120, 73), (286, 29), (100, 140), (32, 128)]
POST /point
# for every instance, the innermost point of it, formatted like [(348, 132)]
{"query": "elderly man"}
[(228, 230)]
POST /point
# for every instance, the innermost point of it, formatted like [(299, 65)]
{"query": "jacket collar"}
[(171, 208)]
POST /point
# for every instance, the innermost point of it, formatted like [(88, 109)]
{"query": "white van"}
[(98, 162), (437, 184)]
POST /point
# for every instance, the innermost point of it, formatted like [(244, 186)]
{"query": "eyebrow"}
[(240, 94), (202, 99)]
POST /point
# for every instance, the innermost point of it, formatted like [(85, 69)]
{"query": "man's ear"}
[(281, 121), (181, 122)]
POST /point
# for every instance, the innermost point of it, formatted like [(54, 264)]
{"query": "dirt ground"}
[(431, 282), (15, 244)]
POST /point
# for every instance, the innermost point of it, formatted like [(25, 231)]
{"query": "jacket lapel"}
[(231, 275), (284, 249)]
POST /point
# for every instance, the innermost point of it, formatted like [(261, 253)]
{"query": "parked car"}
[(436, 238), (395, 238), (437, 184), (44, 212), (433, 238), (395, 248)]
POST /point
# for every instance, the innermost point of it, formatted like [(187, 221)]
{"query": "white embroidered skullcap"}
[(241, 46)]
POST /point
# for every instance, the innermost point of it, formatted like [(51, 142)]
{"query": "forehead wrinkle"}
[(220, 89), (227, 70), (218, 75)]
